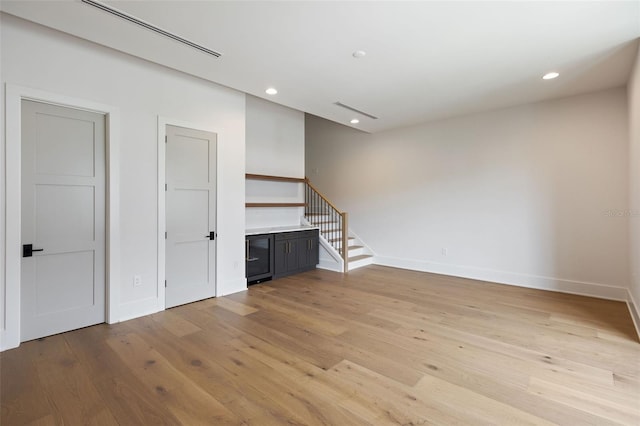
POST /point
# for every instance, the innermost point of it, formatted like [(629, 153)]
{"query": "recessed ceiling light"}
[(359, 54), (354, 121), (550, 75), (271, 91)]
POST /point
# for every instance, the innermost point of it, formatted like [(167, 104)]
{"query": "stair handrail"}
[(322, 196), (311, 196)]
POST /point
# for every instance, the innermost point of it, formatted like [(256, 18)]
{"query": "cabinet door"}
[(314, 254), (292, 255), (308, 251), (281, 260), (286, 257), (304, 250)]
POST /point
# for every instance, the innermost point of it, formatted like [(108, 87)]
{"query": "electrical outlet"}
[(445, 251), (137, 280)]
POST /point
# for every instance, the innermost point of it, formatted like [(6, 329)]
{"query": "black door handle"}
[(27, 250), (211, 236)]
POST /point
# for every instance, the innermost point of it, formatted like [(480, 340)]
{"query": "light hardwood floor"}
[(377, 346)]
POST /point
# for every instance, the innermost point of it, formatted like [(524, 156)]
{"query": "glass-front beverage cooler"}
[(259, 258)]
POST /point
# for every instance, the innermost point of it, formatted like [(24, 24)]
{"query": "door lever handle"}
[(211, 236), (27, 250)]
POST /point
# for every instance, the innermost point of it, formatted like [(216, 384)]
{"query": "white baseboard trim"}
[(329, 265), (633, 310), (601, 291), (226, 288), (8, 340), (138, 308)]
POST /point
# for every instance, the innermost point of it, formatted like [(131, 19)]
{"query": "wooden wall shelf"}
[(274, 178), (275, 204)]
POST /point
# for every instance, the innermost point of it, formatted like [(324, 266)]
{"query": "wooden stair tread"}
[(361, 257), (340, 239), (355, 247), (275, 204)]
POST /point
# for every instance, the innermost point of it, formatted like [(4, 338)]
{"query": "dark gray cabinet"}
[(295, 252), (308, 255), (286, 258)]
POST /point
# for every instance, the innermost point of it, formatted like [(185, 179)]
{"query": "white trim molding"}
[(10, 335), (602, 291), (138, 308), (237, 285), (633, 310), (329, 258)]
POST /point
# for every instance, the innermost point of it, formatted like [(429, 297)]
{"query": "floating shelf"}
[(275, 204), (274, 178)]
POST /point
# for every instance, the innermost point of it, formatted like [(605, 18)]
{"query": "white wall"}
[(527, 195), (634, 179), (274, 146), (3, 321), (40, 58)]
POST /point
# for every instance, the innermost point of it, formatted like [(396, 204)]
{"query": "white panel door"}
[(63, 220), (190, 215)]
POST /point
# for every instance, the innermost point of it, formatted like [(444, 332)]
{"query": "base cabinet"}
[(295, 252), (308, 253)]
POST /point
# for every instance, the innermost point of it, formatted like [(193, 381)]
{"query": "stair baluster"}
[(322, 213)]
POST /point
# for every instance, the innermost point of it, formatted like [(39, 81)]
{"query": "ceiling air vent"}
[(148, 26), (340, 104)]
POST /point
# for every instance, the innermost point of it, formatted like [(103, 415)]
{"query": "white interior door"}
[(190, 215), (63, 219)]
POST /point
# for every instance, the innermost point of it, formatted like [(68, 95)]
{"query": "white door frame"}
[(162, 214), (10, 334)]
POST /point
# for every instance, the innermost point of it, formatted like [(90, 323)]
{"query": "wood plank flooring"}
[(377, 346)]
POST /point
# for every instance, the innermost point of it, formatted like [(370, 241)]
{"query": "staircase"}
[(332, 223)]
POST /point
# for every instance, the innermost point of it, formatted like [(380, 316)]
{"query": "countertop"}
[(276, 229)]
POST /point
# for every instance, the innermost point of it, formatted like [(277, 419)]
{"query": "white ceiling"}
[(425, 60)]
